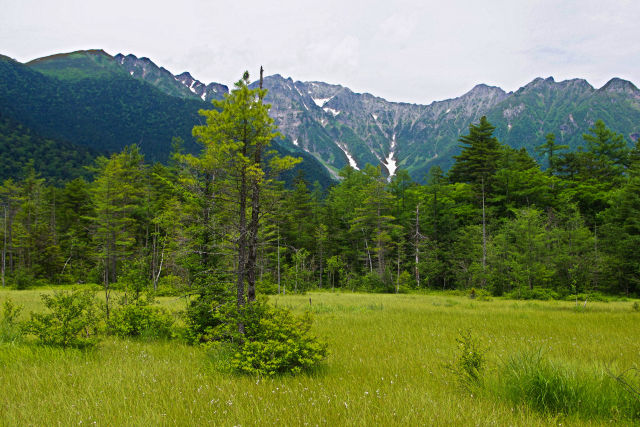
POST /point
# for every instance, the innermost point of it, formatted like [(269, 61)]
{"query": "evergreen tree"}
[(549, 150), (478, 160), (117, 194), (235, 138)]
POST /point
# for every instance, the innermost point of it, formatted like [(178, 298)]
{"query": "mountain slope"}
[(91, 98), (57, 161), (88, 99)]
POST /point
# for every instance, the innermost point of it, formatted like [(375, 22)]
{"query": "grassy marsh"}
[(387, 366)]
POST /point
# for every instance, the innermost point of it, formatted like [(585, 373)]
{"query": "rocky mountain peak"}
[(484, 91), (618, 85)]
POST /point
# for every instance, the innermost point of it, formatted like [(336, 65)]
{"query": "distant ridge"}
[(339, 127)]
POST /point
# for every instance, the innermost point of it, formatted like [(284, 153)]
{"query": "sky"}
[(402, 50)]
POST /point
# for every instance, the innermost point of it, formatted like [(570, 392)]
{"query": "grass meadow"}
[(389, 365)]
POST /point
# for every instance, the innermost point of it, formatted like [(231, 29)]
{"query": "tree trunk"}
[(484, 240), (4, 244), (278, 259), (417, 245)]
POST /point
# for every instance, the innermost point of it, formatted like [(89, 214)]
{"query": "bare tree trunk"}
[(366, 245), (156, 278)]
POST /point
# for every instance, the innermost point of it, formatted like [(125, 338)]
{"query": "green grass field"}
[(388, 366)]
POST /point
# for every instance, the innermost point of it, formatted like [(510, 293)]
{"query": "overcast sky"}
[(413, 51)]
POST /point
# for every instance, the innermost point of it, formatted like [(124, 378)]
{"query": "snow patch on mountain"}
[(390, 161), (331, 110), (321, 101), (352, 161)]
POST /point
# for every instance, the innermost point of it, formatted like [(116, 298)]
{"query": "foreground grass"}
[(387, 366)]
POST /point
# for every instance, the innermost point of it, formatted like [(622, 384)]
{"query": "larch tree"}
[(236, 136)]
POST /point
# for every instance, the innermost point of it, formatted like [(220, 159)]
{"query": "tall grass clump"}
[(557, 388)]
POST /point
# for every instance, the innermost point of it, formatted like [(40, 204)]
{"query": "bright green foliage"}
[(238, 170), (71, 319), (117, 196), (205, 313), (277, 341), (469, 364), (10, 328), (139, 319)]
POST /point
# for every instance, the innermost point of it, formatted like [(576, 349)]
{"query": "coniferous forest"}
[(169, 264), (496, 222)]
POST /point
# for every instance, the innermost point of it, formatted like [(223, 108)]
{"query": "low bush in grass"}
[(10, 328), (138, 318), (535, 294), (557, 388), (469, 364), (275, 341), (71, 320)]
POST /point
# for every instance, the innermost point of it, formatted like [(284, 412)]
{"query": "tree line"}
[(222, 221)]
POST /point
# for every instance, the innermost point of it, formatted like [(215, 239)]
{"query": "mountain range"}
[(99, 102)]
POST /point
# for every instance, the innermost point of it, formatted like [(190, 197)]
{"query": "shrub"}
[(205, 314), (275, 341), (23, 279), (138, 318), (170, 285), (469, 364), (10, 328), (373, 282), (71, 321), (535, 293)]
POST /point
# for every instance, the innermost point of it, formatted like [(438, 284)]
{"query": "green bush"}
[(139, 319), (170, 285), (10, 328), (23, 279), (373, 282), (276, 341), (71, 321), (535, 293), (205, 314), (469, 364)]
